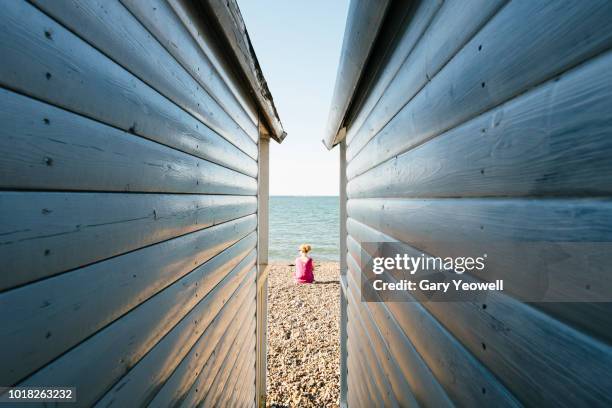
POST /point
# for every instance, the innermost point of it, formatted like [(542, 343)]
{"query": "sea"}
[(296, 220)]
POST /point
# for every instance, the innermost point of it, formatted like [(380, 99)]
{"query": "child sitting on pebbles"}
[(303, 266)]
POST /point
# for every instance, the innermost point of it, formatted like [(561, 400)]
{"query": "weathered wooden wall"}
[(128, 205), (487, 119)]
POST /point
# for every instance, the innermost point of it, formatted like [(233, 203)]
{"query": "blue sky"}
[(298, 47)]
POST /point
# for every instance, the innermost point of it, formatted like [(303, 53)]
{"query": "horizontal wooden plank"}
[(43, 234), (366, 395), (230, 372), (217, 362), (572, 234), (246, 392), (458, 371), (411, 369), (420, 56), (240, 330), (139, 385), (46, 61), (47, 148), (401, 30), (237, 373), (521, 342), (206, 38), (375, 379), (243, 388), (362, 29), (223, 327), (357, 393), (554, 140), (398, 382), (562, 33), (113, 30), (167, 28), (125, 343), (62, 311)]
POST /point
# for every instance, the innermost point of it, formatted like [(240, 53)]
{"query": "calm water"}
[(304, 220)]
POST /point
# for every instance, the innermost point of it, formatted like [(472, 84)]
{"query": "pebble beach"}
[(303, 343)]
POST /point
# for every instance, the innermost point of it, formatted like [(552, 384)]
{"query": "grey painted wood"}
[(408, 38), (231, 341), (44, 233), (449, 227), (458, 371), (402, 391), (46, 61), (46, 148), (553, 140), (124, 344), (113, 30), (242, 377), (362, 25), (230, 368), (139, 385), (233, 34), (410, 366), (61, 312), (355, 386), (217, 362), (359, 388), (415, 63), (373, 377), (521, 343), (175, 387), (216, 397), (205, 37), (562, 33)]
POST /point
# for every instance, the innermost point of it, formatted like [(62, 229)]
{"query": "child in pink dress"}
[(303, 266)]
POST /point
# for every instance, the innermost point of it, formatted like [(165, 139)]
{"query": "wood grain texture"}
[(410, 366), (223, 328), (123, 344), (113, 30), (402, 391), (553, 140), (47, 148), (433, 38), (458, 371), (139, 385), (563, 33), (361, 372), (521, 342), (62, 311), (217, 362), (232, 34), (47, 62), (401, 31), (573, 235), (243, 376), (206, 39), (44, 234), (362, 27), (232, 370)]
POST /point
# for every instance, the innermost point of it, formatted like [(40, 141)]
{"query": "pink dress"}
[(303, 270)]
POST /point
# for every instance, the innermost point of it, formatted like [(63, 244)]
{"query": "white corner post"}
[(343, 266), (263, 196)]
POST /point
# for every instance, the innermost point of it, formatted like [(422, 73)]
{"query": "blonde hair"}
[(305, 248)]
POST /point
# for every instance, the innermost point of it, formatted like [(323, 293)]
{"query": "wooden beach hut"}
[(133, 213), (460, 122)]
